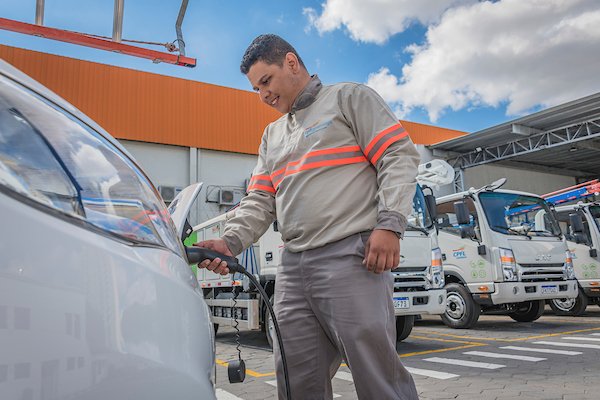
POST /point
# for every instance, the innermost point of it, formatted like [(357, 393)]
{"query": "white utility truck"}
[(581, 226), (498, 258), (418, 280)]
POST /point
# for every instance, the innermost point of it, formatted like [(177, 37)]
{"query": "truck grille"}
[(541, 272), (410, 279)]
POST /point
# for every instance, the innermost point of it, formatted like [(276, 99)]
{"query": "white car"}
[(97, 300)]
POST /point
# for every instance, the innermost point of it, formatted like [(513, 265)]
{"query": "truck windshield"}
[(595, 211), (516, 214), (419, 217)]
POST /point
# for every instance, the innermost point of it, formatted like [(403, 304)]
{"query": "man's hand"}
[(382, 251), (217, 266)]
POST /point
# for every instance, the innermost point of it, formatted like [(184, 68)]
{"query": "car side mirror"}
[(462, 213), (576, 223), (431, 206)]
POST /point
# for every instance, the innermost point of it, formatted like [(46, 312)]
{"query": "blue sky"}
[(460, 64)]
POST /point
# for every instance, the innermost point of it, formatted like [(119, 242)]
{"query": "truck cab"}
[(498, 257), (581, 225)]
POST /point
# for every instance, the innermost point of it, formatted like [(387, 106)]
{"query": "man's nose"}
[(264, 95)]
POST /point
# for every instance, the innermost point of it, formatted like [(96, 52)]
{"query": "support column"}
[(459, 180)]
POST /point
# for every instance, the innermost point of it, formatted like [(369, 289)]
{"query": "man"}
[(338, 171)]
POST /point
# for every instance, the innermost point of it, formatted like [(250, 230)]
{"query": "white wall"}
[(180, 166), (220, 169), (517, 179), (164, 165)]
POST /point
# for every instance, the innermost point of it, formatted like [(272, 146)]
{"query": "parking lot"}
[(553, 358)]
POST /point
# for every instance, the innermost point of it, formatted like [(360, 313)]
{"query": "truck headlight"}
[(436, 271), (568, 270), (509, 265)]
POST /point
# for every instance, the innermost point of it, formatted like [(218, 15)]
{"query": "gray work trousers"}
[(331, 308)]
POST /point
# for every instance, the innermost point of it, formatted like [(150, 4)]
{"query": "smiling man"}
[(338, 171)]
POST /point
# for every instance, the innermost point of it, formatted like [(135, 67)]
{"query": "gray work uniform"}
[(333, 169)]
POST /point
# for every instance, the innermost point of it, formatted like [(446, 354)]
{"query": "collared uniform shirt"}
[(338, 163)]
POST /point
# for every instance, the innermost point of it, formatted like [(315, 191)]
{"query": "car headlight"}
[(436, 271), (509, 265), (568, 270)]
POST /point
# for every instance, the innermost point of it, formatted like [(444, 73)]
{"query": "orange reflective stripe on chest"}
[(320, 158)]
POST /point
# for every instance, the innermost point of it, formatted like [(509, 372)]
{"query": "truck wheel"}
[(269, 327), (573, 307), (404, 325), (461, 310), (528, 311)]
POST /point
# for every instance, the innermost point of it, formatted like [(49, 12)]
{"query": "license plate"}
[(549, 289), (401, 302)]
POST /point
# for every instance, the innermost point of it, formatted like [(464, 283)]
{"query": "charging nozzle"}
[(198, 254)]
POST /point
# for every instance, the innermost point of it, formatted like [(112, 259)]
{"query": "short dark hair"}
[(267, 48)]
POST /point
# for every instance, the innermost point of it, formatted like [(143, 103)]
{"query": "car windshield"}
[(517, 214), (419, 217)]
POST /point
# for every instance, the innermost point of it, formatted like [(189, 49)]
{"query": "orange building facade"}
[(147, 107)]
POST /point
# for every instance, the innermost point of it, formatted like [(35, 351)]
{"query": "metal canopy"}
[(562, 140)]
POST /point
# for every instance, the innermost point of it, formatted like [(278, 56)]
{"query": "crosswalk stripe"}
[(581, 338), (274, 384), (223, 395), (430, 373), (549, 351), (464, 363), (565, 344), (508, 356), (595, 334), (346, 376)]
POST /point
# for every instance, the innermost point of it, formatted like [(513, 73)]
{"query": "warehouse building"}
[(183, 131)]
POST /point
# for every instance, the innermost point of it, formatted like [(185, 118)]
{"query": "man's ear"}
[(291, 61)]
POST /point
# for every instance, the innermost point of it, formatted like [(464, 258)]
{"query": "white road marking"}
[(565, 344), (595, 334), (509, 356), (223, 395), (465, 363), (346, 376), (430, 373), (581, 338), (549, 351), (274, 383)]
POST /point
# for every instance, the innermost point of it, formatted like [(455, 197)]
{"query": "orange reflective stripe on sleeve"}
[(261, 182), (383, 140)]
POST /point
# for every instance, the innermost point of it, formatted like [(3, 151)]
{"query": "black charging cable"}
[(199, 254)]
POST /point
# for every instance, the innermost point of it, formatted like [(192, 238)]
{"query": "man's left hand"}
[(382, 251)]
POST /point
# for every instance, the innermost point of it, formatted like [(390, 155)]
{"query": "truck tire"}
[(572, 307), (461, 310), (404, 325), (528, 311)]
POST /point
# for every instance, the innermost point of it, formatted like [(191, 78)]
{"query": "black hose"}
[(199, 254)]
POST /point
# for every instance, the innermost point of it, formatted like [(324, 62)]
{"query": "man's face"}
[(276, 85)]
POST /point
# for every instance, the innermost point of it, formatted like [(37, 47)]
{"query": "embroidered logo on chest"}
[(316, 128)]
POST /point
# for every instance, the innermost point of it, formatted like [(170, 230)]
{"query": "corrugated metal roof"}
[(551, 118), (539, 141), (142, 106)]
